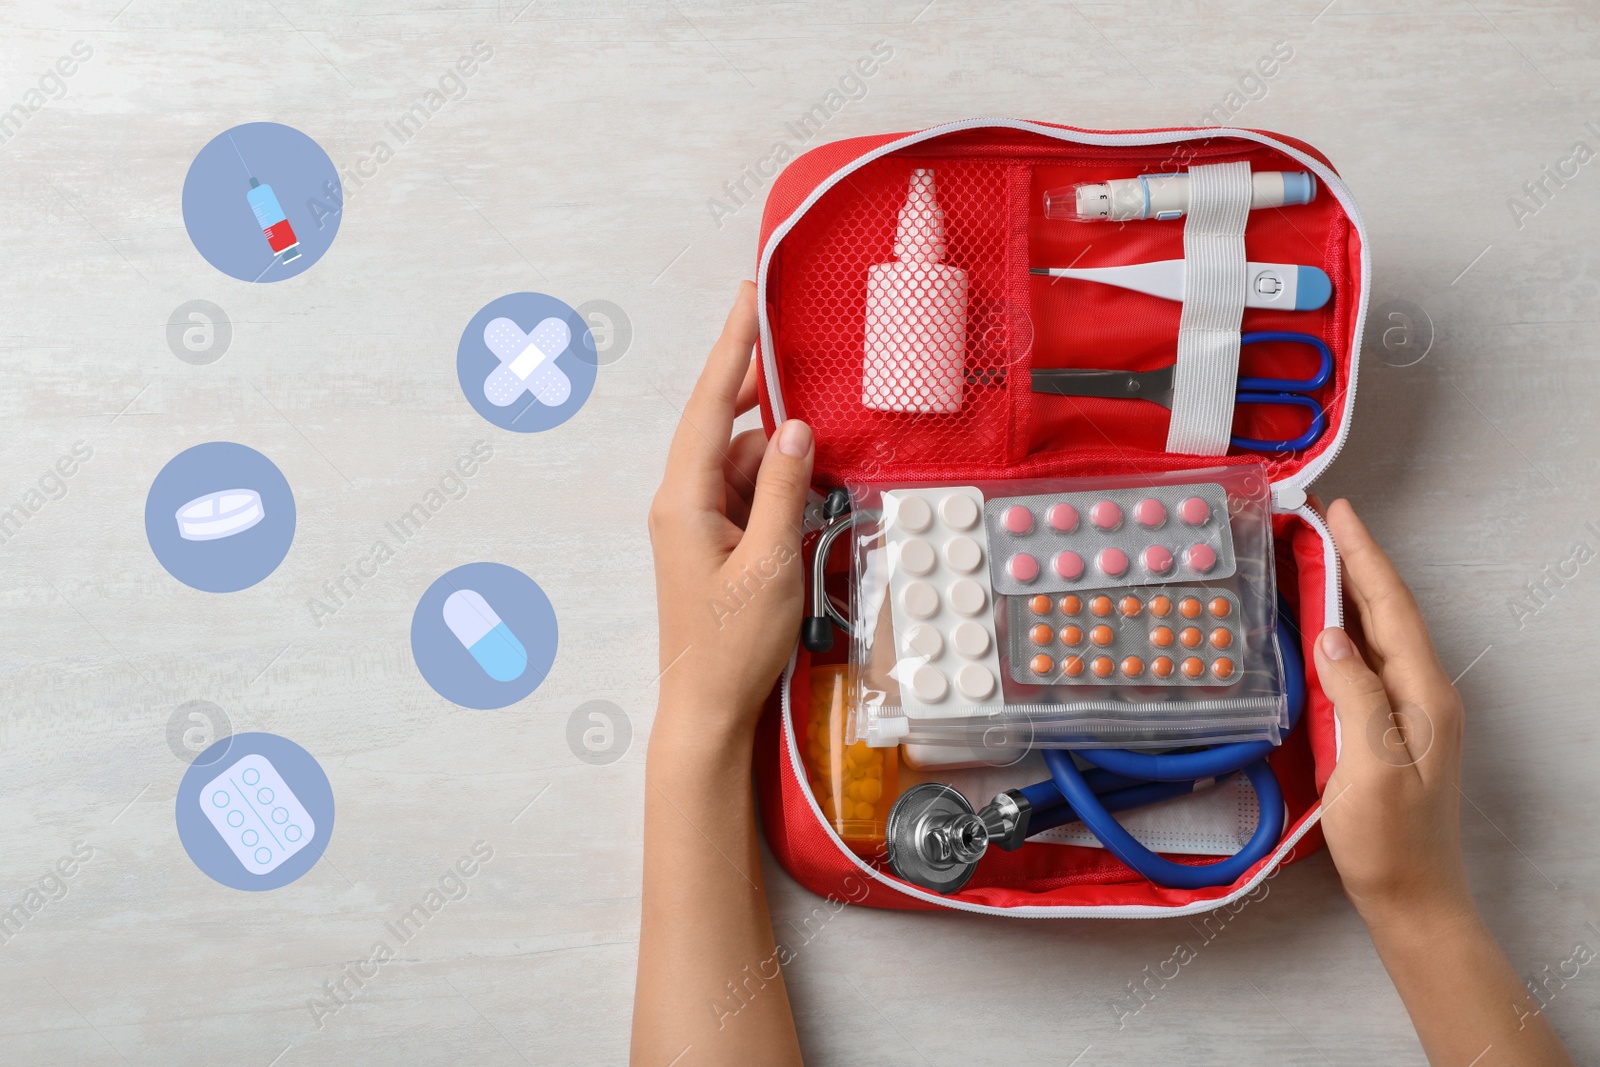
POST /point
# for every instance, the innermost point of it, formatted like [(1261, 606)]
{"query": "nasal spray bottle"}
[(916, 336)]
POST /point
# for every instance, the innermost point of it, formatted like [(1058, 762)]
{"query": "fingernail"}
[(794, 438), (1336, 644)]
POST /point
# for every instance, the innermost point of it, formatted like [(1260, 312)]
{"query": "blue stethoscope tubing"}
[(1121, 780)]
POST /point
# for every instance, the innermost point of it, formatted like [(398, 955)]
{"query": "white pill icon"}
[(262, 834), (482, 633), (527, 362), (220, 514)]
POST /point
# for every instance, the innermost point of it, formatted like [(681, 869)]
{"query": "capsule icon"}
[(483, 633)]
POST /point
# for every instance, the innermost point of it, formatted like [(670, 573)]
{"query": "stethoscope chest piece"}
[(934, 838)]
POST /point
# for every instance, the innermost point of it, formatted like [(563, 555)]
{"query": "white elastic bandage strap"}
[(1207, 373)]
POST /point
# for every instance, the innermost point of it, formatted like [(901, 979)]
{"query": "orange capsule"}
[(1193, 668), (1129, 606), (1041, 634), (1221, 637), (1160, 606), (1220, 608), (1190, 607), (1041, 664), (1161, 667), (1161, 636), (1072, 666), (1071, 635), (1103, 666), (1071, 605), (1039, 605), (1223, 668), (1132, 666), (1190, 636), (1101, 635), (1101, 606)]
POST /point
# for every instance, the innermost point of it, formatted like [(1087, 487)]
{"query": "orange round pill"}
[(1161, 636), (1129, 606), (1220, 608), (1132, 666), (1161, 667), (1221, 637), (1039, 605), (1101, 635), (1071, 635), (1072, 666), (1160, 606), (1041, 664), (1193, 668), (1071, 605), (1223, 668), (1041, 634), (1103, 666), (1190, 607), (1100, 605), (1190, 636)]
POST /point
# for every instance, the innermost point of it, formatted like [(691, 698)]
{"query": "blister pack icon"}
[(257, 814)]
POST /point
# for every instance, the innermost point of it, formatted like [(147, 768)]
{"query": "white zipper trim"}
[(1301, 478), (1334, 607)]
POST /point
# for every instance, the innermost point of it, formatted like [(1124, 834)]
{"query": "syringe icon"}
[(273, 222)]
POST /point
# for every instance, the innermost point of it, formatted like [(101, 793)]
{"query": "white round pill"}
[(920, 600), (975, 682), (928, 684), (958, 511), (963, 554), (967, 596), (916, 557), (914, 514), (971, 640), (924, 640)]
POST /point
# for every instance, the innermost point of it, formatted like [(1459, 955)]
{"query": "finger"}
[(1390, 618), (701, 440), (748, 395), (1370, 738), (780, 498), (740, 470)]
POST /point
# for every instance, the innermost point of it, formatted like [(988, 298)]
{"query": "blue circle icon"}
[(262, 202), (219, 517), (234, 840), (484, 636), (526, 362)]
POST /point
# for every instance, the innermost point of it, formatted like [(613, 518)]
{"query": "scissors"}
[(1156, 385)]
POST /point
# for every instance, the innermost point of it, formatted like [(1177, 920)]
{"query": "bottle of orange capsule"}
[(854, 784)]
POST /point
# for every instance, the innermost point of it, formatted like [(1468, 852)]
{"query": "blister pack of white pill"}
[(1108, 538), (257, 814)]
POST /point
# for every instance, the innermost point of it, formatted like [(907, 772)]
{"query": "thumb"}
[(1360, 702), (777, 508)]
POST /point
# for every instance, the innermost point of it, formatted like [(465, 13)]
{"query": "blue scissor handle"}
[(1286, 391), (1323, 375)]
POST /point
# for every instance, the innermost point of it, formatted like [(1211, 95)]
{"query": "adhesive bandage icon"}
[(482, 633), (257, 814), (220, 514), (527, 362)]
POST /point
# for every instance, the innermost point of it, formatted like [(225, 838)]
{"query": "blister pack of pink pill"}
[(1130, 611)]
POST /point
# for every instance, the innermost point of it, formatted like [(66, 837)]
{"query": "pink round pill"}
[(1063, 518), (1194, 511), (1201, 557), (1018, 519), (1068, 565), (1023, 567), (1113, 562), (1106, 515), (1150, 512), (1157, 560)]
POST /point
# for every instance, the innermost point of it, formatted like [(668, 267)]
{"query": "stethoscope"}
[(935, 839)]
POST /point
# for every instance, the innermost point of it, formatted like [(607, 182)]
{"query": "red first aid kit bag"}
[(831, 216)]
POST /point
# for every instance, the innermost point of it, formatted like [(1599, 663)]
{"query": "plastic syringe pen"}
[(1166, 196), (273, 222)]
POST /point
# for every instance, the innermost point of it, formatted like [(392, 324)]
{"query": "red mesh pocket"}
[(924, 392)]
